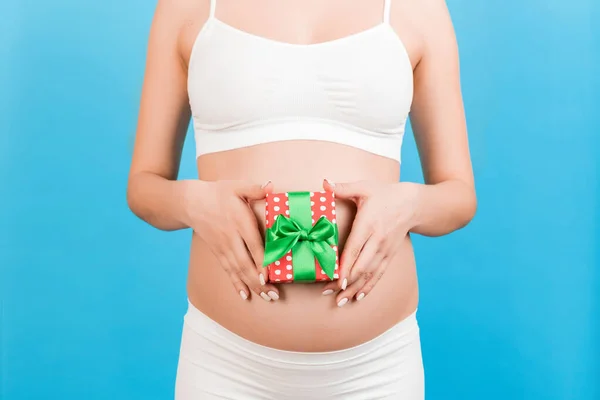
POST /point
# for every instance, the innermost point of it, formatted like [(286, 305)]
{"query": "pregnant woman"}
[(301, 95)]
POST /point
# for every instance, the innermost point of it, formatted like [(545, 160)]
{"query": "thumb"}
[(254, 191), (346, 190)]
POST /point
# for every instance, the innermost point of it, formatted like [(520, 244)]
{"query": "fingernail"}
[(243, 295), (264, 185), (261, 277), (327, 292), (264, 296), (330, 183), (344, 284), (273, 295), (342, 302), (360, 297)]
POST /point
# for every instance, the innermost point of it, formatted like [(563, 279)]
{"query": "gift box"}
[(301, 238)]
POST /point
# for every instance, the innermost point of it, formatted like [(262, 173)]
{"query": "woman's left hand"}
[(385, 214)]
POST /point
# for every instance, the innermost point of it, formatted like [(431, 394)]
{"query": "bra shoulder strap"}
[(213, 6), (386, 10)]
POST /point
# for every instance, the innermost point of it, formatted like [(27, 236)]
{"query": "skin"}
[(375, 212)]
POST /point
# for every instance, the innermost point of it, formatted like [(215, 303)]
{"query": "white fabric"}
[(246, 89), (215, 363), (386, 10)]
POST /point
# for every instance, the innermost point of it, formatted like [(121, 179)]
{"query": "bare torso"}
[(303, 319)]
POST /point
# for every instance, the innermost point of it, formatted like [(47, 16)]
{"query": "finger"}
[(346, 295), (331, 288), (370, 253), (359, 235), (260, 275), (239, 286), (267, 291), (267, 186), (255, 246), (254, 243), (246, 269), (238, 258), (251, 192), (347, 190), (328, 185), (368, 286)]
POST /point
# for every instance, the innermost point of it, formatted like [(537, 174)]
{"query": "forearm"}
[(158, 201), (442, 208)]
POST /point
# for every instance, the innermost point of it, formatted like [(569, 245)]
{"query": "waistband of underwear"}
[(400, 335)]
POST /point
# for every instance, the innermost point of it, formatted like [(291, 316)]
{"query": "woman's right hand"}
[(219, 212)]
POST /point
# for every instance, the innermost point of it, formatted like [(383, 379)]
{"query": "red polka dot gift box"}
[(301, 238)]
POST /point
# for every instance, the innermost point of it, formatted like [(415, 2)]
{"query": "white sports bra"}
[(247, 90)]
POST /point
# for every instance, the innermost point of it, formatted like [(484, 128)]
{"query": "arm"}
[(153, 194), (447, 201), (217, 211)]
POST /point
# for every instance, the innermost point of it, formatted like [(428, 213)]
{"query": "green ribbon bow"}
[(306, 241)]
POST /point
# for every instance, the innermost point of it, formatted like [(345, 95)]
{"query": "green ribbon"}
[(306, 241)]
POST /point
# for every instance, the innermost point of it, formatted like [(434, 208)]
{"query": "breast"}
[(237, 79)]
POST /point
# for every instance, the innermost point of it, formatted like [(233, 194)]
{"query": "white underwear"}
[(215, 363)]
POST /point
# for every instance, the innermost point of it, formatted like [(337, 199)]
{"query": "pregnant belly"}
[(302, 319)]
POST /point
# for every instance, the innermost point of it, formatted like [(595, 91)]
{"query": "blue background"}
[(92, 298)]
